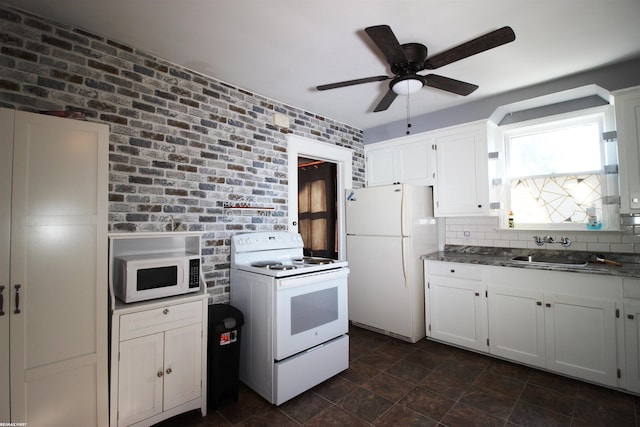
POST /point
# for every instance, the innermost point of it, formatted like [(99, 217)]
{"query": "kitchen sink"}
[(550, 261)]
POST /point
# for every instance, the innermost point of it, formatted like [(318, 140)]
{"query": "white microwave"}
[(145, 277)]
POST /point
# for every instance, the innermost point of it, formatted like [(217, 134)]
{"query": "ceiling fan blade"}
[(352, 82), (386, 101), (449, 84), (388, 44), (488, 41)]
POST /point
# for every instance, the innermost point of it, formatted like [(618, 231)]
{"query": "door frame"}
[(342, 157)]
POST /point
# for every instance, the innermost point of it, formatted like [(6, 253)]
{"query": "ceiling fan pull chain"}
[(408, 114)]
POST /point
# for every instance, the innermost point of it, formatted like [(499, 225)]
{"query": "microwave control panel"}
[(194, 273)]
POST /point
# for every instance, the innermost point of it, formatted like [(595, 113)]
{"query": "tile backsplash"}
[(484, 231)]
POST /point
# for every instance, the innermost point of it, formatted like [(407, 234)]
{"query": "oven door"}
[(310, 309)]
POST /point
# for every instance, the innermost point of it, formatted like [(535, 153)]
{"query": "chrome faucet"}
[(540, 241)]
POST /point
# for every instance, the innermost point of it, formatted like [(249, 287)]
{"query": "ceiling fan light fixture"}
[(407, 86)]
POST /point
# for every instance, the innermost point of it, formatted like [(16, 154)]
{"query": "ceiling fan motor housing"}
[(416, 55)]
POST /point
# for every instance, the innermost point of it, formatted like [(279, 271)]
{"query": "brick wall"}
[(182, 145)]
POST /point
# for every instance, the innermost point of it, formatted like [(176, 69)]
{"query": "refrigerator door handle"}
[(404, 264)]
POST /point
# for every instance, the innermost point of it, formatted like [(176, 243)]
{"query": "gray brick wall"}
[(182, 145)]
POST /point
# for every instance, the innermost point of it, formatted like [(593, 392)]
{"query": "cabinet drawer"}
[(160, 319), (452, 269), (631, 288)]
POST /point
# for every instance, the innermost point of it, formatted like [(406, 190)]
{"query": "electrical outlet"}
[(467, 235)]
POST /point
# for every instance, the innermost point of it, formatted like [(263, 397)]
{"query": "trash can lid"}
[(229, 322)]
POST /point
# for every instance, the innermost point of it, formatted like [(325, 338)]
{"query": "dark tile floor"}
[(393, 383)]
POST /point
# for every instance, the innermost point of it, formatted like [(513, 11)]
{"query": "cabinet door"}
[(627, 108), (516, 323), (140, 378), (632, 345), (581, 337), (6, 161), (415, 165), (58, 257), (462, 183), (381, 167), (457, 312), (182, 365)]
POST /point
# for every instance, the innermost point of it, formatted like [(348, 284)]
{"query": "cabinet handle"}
[(548, 304), (165, 311), (169, 371), (479, 206), (17, 310), (452, 270), (630, 316), (477, 294), (538, 302), (1, 300), (160, 374)]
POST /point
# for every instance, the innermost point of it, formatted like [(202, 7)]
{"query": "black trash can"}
[(223, 348)]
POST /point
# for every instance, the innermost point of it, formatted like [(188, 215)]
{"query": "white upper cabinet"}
[(462, 178), (627, 106), (407, 160)]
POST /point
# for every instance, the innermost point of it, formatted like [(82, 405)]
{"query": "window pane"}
[(554, 200), (559, 151)]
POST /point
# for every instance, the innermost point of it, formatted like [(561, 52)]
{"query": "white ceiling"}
[(282, 49)]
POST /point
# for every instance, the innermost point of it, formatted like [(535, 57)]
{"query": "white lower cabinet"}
[(581, 337), (516, 322), (568, 323), (160, 362), (563, 333), (456, 304), (632, 333)]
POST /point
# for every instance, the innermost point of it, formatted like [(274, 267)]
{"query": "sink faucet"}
[(540, 241)]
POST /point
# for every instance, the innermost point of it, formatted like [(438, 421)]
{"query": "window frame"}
[(604, 115)]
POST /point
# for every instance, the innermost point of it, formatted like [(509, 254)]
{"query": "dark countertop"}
[(501, 257)]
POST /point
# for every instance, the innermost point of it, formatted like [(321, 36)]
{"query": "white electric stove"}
[(295, 311)]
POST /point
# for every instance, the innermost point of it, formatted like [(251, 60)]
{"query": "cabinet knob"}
[(452, 270), (477, 294), (169, 371), (548, 305), (479, 206), (538, 302), (160, 374), (165, 311), (630, 316)]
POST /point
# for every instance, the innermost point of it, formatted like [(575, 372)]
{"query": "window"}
[(560, 173)]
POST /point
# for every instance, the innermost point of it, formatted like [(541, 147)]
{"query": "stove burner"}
[(265, 264), (318, 261), (282, 267)]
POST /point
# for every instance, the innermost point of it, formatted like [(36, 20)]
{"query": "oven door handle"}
[(311, 278)]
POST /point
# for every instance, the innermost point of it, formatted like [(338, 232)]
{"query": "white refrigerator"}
[(388, 229)]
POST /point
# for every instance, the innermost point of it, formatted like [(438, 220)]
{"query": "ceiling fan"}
[(408, 59)]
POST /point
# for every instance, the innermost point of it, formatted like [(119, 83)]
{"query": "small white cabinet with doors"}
[(631, 289), (462, 178), (406, 160), (627, 107), (158, 347), (456, 304), (53, 248)]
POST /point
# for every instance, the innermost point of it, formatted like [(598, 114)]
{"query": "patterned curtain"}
[(317, 214)]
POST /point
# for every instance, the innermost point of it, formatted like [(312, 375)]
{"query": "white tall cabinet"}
[(53, 271)]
